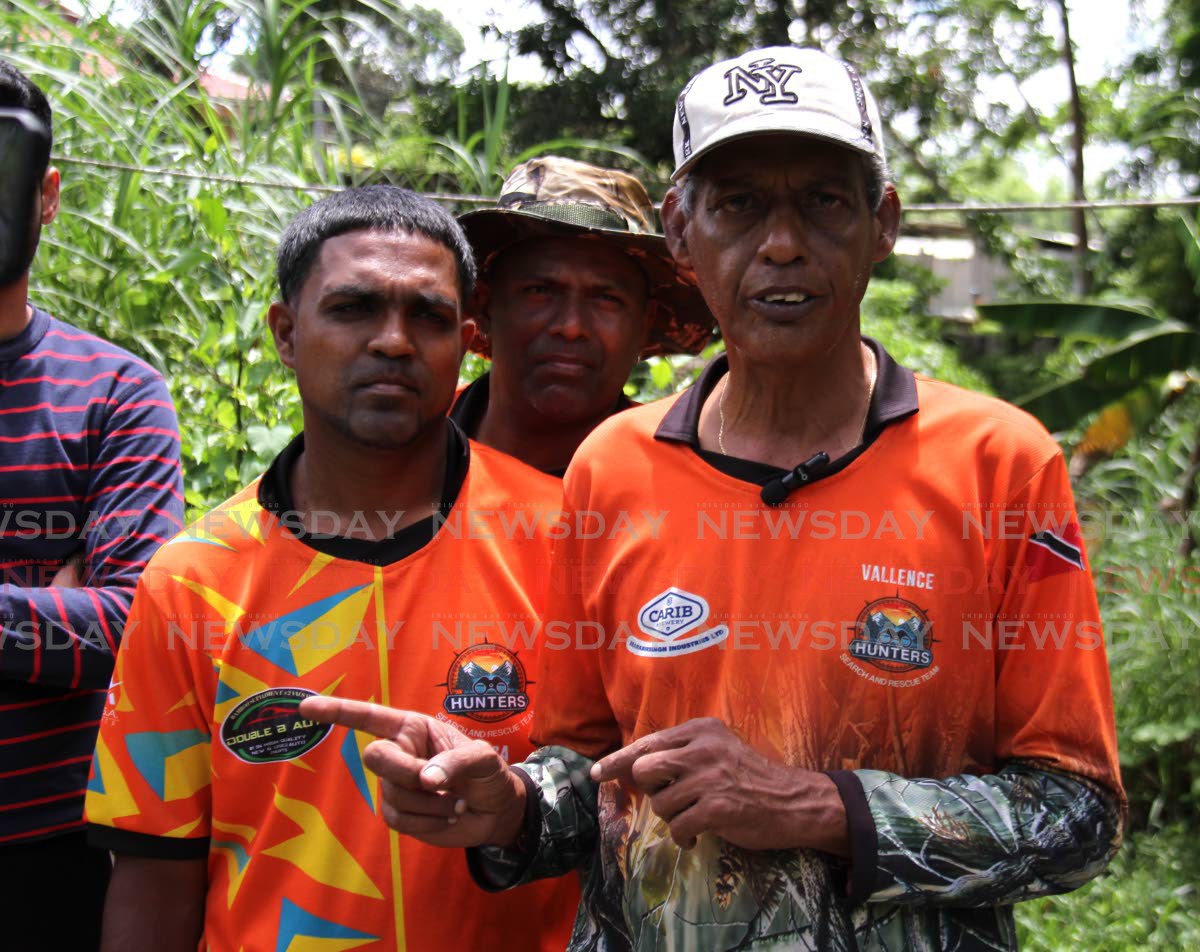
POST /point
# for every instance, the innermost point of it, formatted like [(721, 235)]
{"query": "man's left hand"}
[(70, 574), (701, 777)]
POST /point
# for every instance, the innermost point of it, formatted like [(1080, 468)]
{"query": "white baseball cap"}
[(774, 89)]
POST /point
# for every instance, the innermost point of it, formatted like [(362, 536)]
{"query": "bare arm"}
[(155, 904)]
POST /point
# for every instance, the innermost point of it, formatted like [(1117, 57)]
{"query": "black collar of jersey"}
[(895, 398), (472, 403), (275, 496)]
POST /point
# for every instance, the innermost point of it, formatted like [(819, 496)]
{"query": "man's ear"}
[(282, 321), (50, 194), (477, 307), (467, 331), (675, 226), (887, 220), (654, 310)]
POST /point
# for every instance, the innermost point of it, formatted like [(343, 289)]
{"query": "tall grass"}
[(1150, 600), (181, 270)]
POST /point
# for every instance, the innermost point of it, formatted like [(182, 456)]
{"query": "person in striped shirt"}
[(89, 468)]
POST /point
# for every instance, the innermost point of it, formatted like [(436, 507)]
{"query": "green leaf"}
[(213, 215), (266, 442), (662, 373), (1189, 237), (187, 261), (226, 415), (1153, 352), (1071, 319), (1161, 734)]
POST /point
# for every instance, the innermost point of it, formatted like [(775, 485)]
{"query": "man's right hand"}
[(439, 786)]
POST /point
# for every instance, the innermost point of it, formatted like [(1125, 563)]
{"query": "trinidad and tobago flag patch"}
[(1052, 552)]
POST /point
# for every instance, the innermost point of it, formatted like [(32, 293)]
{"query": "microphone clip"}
[(777, 490)]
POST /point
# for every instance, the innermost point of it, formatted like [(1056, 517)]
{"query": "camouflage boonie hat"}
[(554, 196)]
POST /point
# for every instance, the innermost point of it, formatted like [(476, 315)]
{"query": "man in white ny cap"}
[(827, 713)]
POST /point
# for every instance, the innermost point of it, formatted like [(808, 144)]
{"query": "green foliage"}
[(660, 377), (1136, 346), (1151, 257), (892, 314), (1150, 600), (181, 270), (1121, 351), (619, 64), (1148, 900)]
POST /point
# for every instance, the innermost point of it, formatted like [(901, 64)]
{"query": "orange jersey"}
[(925, 610), (201, 751), (916, 619)]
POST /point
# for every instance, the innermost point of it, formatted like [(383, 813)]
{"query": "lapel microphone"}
[(777, 490)]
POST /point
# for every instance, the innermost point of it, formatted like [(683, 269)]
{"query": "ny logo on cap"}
[(764, 77)]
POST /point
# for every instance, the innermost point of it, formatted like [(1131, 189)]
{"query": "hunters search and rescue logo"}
[(485, 683), (669, 616), (267, 727), (893, 635)]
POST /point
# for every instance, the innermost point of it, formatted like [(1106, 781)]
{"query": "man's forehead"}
[(597, 256), (377, 251), (376, 258), (765, 155), (383, 240)]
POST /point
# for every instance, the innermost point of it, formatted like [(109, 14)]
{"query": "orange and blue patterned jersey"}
[(202, 753)]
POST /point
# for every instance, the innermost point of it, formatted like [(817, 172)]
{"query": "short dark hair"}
[(370, 208), (17, 91)]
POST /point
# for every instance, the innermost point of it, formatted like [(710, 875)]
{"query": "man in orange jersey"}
[(369, 560), (853, 694), (574, 286)]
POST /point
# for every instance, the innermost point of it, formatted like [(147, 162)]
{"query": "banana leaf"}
[(1087, 320), (1152, 352)]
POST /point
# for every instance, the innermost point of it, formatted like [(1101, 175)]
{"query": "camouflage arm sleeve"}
[(981, 840), (566, 837)]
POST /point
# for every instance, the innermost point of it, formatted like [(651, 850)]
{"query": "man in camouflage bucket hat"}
[(575, 286)]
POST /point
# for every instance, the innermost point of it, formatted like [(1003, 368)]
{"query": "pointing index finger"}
[(619, 765), (384, 722)]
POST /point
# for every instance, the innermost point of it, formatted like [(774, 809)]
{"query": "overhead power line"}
[(968, 207), (237, 180), (929, 207)]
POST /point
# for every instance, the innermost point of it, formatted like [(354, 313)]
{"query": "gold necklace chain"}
[(862, 427), (721, 412)]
